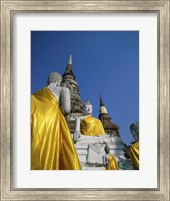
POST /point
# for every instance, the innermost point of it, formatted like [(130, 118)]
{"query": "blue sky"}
[(105, 63)]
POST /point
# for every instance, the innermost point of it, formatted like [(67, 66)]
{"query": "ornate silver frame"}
[(161, 8)]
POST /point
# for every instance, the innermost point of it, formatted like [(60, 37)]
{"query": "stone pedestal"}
[(91, 150)]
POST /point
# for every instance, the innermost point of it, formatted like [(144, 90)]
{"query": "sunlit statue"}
[(88, 125), (52, 144), (109, 160), (134, 148)]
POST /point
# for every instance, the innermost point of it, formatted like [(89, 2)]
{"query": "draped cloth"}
[(52, 147), (134, 154), (112, 163), (91, 126)]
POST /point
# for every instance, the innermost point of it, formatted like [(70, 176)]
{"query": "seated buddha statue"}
[(88, 125), (109, 160), (52, 147)]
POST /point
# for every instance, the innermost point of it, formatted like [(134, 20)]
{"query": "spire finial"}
[(69, 70), (101, 102), (70, 59)]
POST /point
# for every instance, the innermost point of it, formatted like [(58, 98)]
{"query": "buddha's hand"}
[(76, 136)]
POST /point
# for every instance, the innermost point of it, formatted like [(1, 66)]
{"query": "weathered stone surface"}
[(68, 80)]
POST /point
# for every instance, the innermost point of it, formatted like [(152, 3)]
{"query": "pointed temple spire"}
[(70, 60), (69, 70), (69, 81), (102, 107), (106, 120), (101, 102)]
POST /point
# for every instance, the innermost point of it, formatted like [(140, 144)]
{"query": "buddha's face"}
[(87, 109)]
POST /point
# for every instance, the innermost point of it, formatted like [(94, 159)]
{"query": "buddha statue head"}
[(134, 128), (55, 78), (87, 108)]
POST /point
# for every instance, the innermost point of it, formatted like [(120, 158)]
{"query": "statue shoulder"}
[(56, 90)]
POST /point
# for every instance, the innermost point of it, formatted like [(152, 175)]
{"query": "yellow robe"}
[(92, 126), (51, 142), (112, 163), (134, 154)]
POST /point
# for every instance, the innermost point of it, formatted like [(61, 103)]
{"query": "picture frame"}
[(8, 10)]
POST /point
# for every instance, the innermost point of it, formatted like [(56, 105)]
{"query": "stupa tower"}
[(69, 81), (106, 120)]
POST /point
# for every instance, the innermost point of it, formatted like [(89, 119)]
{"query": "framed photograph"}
[(129, 43)]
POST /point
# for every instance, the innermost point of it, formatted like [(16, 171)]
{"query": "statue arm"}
[(65, 100), (77, 129), (77, 126)]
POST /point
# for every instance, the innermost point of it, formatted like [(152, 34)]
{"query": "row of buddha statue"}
[(52, 145)]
